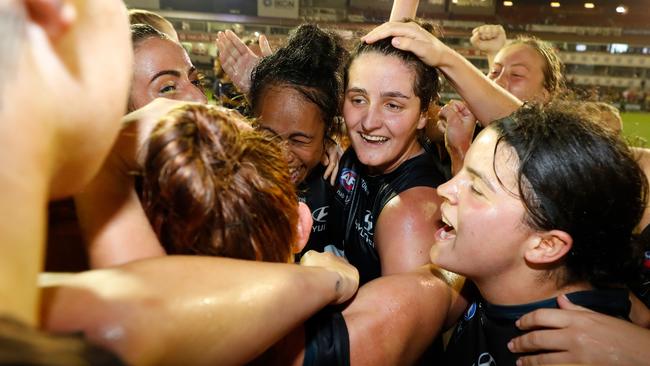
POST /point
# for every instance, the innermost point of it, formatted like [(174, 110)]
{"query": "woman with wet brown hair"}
[(212, 188)]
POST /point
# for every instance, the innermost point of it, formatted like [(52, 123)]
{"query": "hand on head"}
[(412, 38)]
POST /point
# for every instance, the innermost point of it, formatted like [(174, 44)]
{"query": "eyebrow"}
[(482, 177), (165, 72), (513, 65), (390, 94)]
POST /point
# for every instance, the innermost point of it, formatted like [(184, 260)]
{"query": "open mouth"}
[(373, 139), (447, 231), (294, 173)]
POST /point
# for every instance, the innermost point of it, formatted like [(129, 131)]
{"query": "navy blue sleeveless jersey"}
[(359, 199), (482, 335), (317, 193)]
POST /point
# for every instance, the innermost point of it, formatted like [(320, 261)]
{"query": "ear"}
[(305, 222), (549, 247), (422, 122), (54, 16)]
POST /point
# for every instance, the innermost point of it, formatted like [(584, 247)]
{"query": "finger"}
[(265, 46), (545, 318), (390, 29), (412, 45), (566, 304), (539, 340), (554, 358), (335, 172), (237, 43)]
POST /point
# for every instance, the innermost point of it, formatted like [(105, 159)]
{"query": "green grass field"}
[(636, 126)]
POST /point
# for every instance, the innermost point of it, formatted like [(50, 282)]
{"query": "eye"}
[(394, 107), (167, 89), (493, 74), (475, 190), (300, 141), (357, 100)]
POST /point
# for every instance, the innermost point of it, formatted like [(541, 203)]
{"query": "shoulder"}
[(417, 204)]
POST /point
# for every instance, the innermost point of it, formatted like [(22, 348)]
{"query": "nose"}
[(372, 120), (449, 190), (502, 80)]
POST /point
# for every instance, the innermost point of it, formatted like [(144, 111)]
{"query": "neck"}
[(523, 289), (24, 177), (413, 149)]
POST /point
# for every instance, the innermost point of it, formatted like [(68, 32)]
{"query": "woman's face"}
[(485, 233), (286, 113), (162, 68), (382, 112), (520, 70)]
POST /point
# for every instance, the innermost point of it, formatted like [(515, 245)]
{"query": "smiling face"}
[(285, 112), (382, 112), (485, 237), (520, 70), (162, 68)]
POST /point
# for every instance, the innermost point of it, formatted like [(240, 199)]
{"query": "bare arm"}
[(193, 310), (113, 222), (403, 9), (405, 228), (390, 321), (486, 100)]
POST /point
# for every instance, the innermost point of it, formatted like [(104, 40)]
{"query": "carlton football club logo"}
[(348, 178)]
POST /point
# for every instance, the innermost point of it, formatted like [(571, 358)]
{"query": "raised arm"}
[(489, 38), (403, 9), (194, 310), (237, 60), (486, 100)]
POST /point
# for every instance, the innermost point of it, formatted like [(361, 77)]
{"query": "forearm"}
[(485, 99), (113, 222), (403, 9), (189, 310), (393, 319)]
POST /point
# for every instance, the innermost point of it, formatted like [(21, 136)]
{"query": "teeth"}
[(444, 219), (443, 235), (374, 138)]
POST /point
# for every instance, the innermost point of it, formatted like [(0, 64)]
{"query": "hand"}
[(578, 335), (136, 128), (458, 124), (237, 60), (489, 38), (331, 159), (412, 38), (348, 282)]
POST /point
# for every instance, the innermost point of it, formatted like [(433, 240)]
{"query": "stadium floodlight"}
[(507, 3), (555, 4), (621, 9), (590, 5)]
